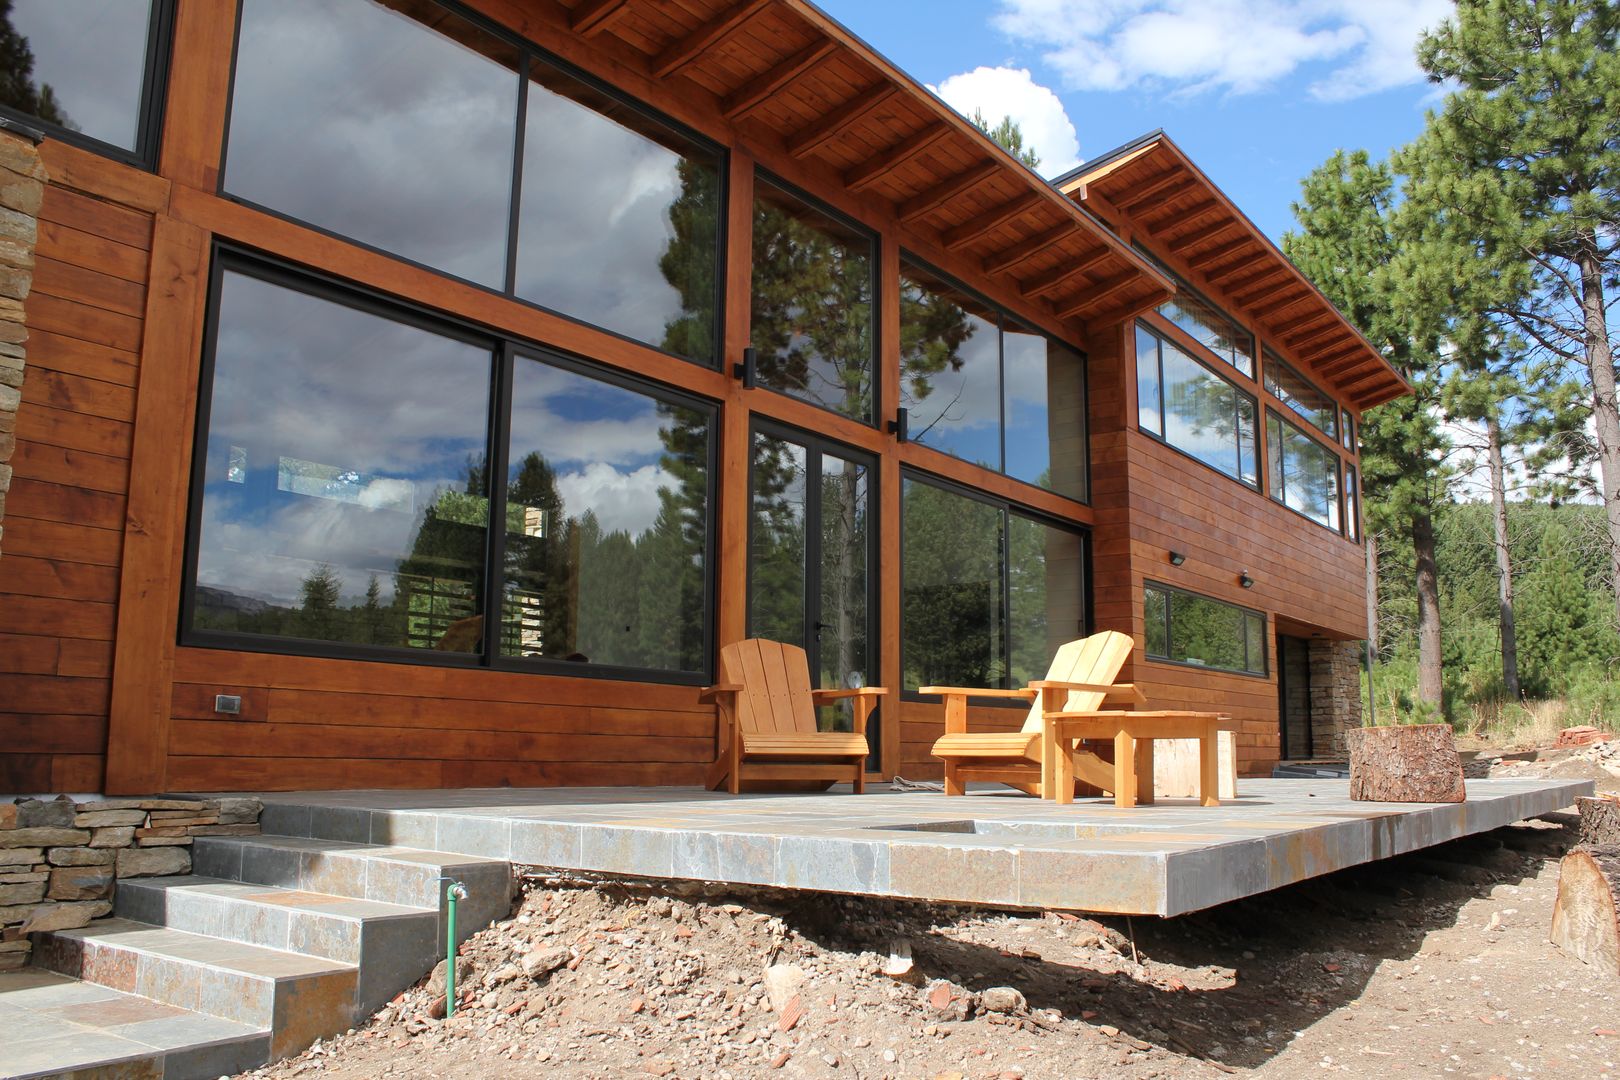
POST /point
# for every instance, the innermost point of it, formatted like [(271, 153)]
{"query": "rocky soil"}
[(1433, 964)]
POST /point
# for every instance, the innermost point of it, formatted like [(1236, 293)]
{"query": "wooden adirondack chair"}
[(768, 721)]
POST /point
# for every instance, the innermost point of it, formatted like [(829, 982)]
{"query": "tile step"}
[(298, 998), (58, 1026), (410, 877)]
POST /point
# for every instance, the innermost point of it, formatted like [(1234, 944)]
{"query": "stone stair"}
[(292, 938)]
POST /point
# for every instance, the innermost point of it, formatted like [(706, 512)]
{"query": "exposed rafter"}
[(758, 91), (693, 45), (963, 182), (826, 129), (1026, 249), (1170, 185), (1282, 330), (989, 221), (1216, 254), (1094, 295), (1047, 280), (878, 166), (1282, 303), (1326, 332), (595, 15), (1260, 286), (1198, 236), (1181, 217)]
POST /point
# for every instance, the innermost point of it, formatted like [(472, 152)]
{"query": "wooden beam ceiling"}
[(1027, 249), (693, 45), (1047, 280), (594, 16), (1094, 295), (823, 131), (966, 233), (926, 203), (878, 166), (1171, 184), (1198, 236), (774, 80), (1216, 254)]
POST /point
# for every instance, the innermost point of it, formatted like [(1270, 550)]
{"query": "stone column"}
[(22, 186), (1335, 694)]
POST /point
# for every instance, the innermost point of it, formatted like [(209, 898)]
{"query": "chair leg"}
[(1124, 770), (860, 778), (1144, 771), (953, 780), (1063, 773), (1209, 773)]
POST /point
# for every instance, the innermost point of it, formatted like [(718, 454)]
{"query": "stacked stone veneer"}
[(1335, 695), (22, 186), (61, 858)]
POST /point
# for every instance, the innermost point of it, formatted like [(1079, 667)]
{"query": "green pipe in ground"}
[(456, 891)]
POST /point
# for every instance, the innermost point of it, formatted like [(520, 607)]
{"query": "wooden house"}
[(420, 393)]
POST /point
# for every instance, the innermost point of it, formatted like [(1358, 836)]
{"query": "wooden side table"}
[(1132, 734)]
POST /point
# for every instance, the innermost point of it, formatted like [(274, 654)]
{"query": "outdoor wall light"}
[(1245, 580), (1177, 558), (900, 426), (748, 370)]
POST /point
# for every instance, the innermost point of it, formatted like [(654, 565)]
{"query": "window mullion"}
[(500, 432)]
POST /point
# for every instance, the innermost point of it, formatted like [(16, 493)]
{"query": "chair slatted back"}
[(1097, 659), (776, 687)]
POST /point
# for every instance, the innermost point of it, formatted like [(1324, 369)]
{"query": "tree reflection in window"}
[(1193, 409), (1304, 473), (1190, 629), (80, 66)]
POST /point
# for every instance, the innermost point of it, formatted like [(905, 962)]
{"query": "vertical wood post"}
[(731, 613), (888, 569), (154, 521), (199, 87)]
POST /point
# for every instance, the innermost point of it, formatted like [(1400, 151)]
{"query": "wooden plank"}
[(880, 165), (829, 127), (775, 79), (922, 205), (55, 539), (92, 251), (1027, 249), (1096, 294), (52, 694), (54, 464), (74, 431), (705, 37), (77, 772), (92, 173), (1165, 187), (1181, 243), (1044, 282), (224, 738), (71, 393), (72, 319), (731, 614), (594, 16), (86, 359), (965, 234), (79, 285), (58, 502), (52, 733), (137, 746), (118, 224), (33, 576), (56, 617)]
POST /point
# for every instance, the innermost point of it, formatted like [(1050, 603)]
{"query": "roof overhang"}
[(1153, 185), (790, 75)]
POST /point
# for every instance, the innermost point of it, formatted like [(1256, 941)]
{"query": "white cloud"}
[(1000, 91), (621, 500), (1235, 46)]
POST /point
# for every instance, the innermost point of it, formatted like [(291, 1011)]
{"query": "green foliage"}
[(1007, 135), (17, 87)]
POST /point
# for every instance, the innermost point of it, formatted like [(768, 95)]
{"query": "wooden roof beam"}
[(826, 129), (1170, 185), (1198, 236), (1048, 280), (1027, 249), (1375, 373), (1213, 276), (968, 232), (1215, 255), (1182, 216), (756, 92), (878, 166), (1249, 290), (1297, 342), (937, 196), (711, 33), (1283, 303), (1096, 294), (1333, 364), (1282, 330), (594, 16)]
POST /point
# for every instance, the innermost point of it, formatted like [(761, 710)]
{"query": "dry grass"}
[(1519, 726)]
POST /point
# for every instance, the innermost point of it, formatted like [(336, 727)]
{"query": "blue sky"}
[(1258, 92)]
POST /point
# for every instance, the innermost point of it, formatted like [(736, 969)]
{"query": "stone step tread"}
[(59, 1025), (322, 904), (253, 961), (389, 852)]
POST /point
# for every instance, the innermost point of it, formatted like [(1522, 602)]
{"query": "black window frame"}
[(529, 52), (1264, 671), (1259, 484), (504, 351), (154, 98), (770, 179), (1350, 497), (1004, 315), (1271, 360), (1183, 286), (1007, 507), (1278, 497)]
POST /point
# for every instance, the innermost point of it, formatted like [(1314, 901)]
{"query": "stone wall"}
[(60, 859), (22, 186), (1335, 695)]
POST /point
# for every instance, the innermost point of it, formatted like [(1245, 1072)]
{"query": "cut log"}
[(1600, 821), (1584, 922), (1406, 763)]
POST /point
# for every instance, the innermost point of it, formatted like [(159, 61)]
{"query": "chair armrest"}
[(859, 691), (1083, 687), (977, 691), (712, 693)]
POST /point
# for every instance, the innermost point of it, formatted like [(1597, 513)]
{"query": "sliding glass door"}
[(812, 552)]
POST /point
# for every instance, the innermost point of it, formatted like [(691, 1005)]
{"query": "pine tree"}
[(17, 88), (1529, 146), (1009, 136), (1346, 245), (1563, 628), (320, 614)]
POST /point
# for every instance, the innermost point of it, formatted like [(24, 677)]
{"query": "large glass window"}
[(1301, 395), (987, 591), (344, 489), (606, 523), (85, 67), (1211, 327), (1196, 411), (813, 319), (979, 385), (1304, 473), (397, 123), (1352, 505), (1186, 628), (344, 496)]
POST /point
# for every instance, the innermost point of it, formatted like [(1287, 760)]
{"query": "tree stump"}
[(1406, 763), (1584, 922), (1600, 821)]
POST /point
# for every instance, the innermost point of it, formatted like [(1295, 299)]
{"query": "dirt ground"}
[(1431, 964)]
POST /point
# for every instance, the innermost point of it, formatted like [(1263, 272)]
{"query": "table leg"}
[(1050, 750), (1144, 771), (1209, 773), (1063, 771), (1124, 770)]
